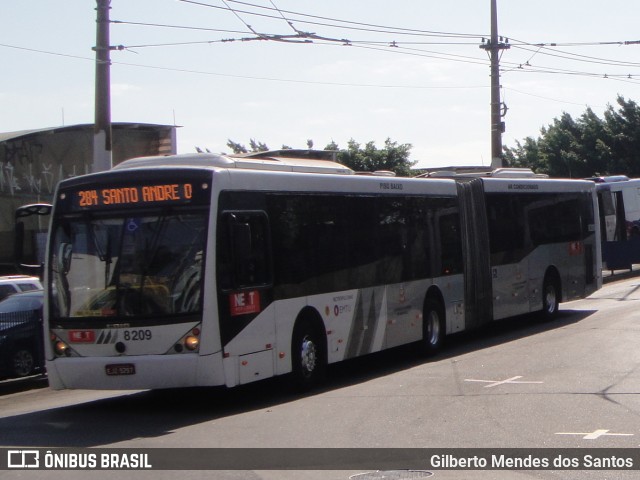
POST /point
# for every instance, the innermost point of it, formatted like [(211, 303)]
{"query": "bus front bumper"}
[(135, 372)]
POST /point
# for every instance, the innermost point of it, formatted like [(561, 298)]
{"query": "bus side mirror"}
[(30, 238)]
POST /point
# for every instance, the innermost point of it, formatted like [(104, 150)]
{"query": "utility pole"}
[(498, 110), (102, 159)]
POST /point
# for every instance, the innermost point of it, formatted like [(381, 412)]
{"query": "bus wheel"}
[(550, 297), (433, 327), (22, 362), (307, 357)]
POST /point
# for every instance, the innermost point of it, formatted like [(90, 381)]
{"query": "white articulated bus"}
[(195, 270)]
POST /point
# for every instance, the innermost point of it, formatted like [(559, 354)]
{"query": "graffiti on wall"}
[(24, 170), (33, 164)]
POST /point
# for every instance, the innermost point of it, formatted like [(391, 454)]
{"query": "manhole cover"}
[(392, 475)]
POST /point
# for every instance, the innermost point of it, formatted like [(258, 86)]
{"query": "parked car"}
[(21, 334), (11, 284)]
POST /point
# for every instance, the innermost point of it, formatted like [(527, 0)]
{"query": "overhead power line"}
[(254, 77), (351, 25), (180, 27), (408, 47), (308, 82), (405, 48), (557, 100), (577, 57)]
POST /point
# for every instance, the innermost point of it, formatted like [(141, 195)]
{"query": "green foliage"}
[(393, 156), (584, 147), (253, 145), (258, 146), (236, 147)]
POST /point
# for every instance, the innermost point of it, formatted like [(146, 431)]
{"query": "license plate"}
[(121, 369)]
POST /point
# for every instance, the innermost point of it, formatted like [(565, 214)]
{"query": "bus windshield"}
[(127, 266)]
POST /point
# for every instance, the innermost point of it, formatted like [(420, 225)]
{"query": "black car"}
[(21, 335)]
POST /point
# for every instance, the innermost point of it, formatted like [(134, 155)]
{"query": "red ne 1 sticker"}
[(243, 303), (82, 336)]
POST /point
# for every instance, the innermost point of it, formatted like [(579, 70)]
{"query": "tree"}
[(258, 146), (393, 157), (623, 128), (559, 148), (525, 155), (236, 147), (584, 147), (254, 145)]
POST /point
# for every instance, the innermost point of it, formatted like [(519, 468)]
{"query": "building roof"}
[(8, 136)]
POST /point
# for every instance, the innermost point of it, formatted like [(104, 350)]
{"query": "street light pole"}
[(102, 158), (498, 109)]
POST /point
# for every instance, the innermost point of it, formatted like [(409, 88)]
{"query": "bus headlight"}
[(191, 343), (60, 348)]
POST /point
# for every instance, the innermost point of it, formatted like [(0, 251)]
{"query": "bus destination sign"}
[(167, 193)]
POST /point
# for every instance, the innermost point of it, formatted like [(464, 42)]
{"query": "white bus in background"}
[(196, 270), (619, 208)]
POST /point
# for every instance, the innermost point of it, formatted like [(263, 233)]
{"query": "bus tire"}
[(308, 360), (23, 362), (433, 327), (550, 297)]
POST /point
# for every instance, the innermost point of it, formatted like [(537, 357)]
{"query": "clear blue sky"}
[(429, 90)]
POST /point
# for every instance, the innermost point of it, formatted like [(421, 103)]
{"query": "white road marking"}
[(596, 434), (495, 383)]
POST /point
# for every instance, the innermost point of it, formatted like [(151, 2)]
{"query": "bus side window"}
[(450, 243), (244, 256)]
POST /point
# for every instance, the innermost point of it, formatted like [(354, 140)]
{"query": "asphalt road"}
[(572, 383)]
